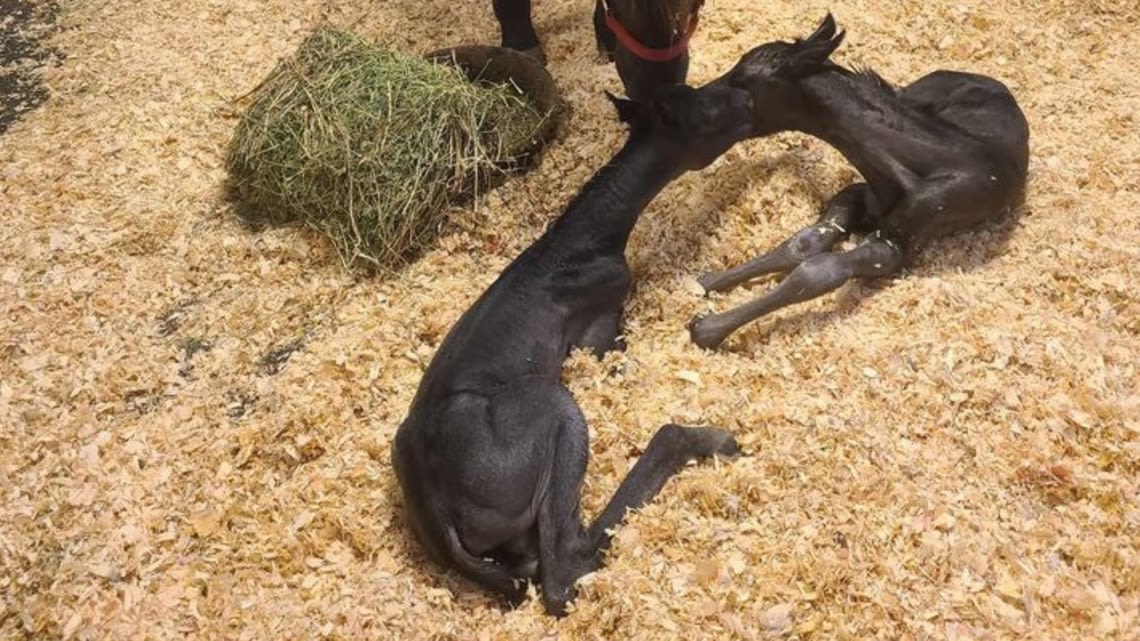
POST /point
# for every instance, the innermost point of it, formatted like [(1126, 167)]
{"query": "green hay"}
[(368, 146)]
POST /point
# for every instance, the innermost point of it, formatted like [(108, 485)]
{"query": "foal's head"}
[(771, 74), (652, 38), (691, 127)]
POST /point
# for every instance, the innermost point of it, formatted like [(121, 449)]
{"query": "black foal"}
[(941, 155), (492, 454)]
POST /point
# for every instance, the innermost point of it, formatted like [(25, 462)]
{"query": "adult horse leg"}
[(517, 28)]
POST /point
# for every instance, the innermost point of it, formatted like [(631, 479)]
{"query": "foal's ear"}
[(812, 52), (825, 30), (628, 111)]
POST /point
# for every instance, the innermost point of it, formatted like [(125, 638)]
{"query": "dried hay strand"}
[(368, 146)]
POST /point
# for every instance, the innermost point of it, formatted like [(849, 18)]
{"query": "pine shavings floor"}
[(196, 418)]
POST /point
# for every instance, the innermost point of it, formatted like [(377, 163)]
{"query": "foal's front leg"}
[(813, 277), (843, 211), (601, 287), (671, 448), (569, 551), (604, 334)]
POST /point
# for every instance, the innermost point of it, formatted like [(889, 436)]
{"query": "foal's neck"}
[(862, 117), (601, 217)]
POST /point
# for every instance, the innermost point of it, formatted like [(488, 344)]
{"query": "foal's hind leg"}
[(813, 277), (842, 212), (564, 551)]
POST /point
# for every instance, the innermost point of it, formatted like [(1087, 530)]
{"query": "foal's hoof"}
[(729, 448), (556, 604), (537, 53), (619, 344), (713, 441), (707, 282), (517, 596), (718, 281), (704, 333)]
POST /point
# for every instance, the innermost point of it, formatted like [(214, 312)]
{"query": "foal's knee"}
[(822, 272)]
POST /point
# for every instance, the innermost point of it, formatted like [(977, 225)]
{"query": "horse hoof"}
[(702, 335), (537, 53)]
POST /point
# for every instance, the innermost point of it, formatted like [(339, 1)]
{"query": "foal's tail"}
[(488, 573)]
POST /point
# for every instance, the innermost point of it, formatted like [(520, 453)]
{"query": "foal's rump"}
[(483, 466), (980, 106)]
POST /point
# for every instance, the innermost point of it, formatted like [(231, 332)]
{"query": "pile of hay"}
[(369, 146)]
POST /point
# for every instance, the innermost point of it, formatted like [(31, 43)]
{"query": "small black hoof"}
[(516, 597), (537, 53), (715, 282), (702, 335), (713, 441), (557, 606), (729, 449), (706, 281)]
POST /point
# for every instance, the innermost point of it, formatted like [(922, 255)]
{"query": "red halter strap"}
[(646, 53)]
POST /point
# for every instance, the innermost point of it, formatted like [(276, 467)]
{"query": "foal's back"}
[(980, 108)]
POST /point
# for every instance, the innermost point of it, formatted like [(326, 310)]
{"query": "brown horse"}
[(648, 40)]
